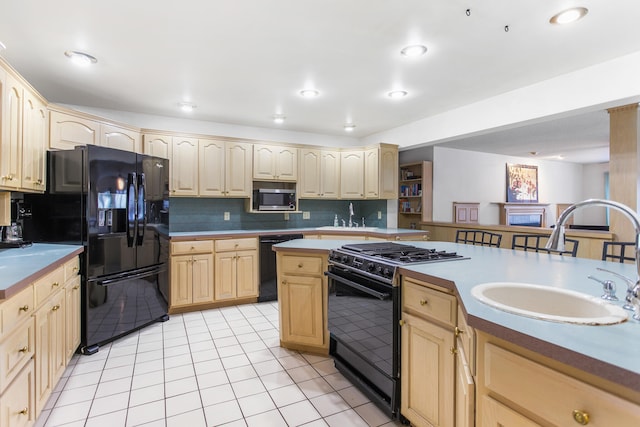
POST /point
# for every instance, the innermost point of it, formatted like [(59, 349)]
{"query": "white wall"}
[(593, 187), (467, 176)]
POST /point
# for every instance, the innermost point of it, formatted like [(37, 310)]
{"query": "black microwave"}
[(272, 199)]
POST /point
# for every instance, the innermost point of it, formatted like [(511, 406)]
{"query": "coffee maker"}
[(12, 236)]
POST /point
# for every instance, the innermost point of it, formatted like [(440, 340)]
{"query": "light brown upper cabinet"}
[(68, 130), (319, 174), (120, 138), (275, 163)]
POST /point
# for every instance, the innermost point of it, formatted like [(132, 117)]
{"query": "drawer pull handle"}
[(24, 308), (55, 284), (457, 331), (23, 349), (423, 302), (55, 307), (75, 288), (300, 265), (24, 411), (581, 417), (402, 322), (192, 248)]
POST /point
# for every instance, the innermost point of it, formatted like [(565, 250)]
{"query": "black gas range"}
[(381, 260), (364, 314)]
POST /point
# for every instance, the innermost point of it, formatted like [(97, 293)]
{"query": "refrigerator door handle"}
[(141, 219), (131, 208)]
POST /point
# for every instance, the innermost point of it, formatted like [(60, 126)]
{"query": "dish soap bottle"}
[(335, 221)]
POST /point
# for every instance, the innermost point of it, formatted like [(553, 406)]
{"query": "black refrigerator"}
[(116, 204)]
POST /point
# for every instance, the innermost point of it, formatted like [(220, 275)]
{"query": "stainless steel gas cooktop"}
[(381, 259)]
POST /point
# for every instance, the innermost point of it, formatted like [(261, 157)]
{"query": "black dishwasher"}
[(268, 284)]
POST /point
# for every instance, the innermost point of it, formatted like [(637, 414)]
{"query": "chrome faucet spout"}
[(350, 214), (556, 240)]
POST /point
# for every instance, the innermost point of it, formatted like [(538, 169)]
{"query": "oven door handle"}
[(380, 295)]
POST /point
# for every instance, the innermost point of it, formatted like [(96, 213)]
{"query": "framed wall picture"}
[(522, 184)]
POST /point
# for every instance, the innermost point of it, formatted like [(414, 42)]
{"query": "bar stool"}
[(536, 243), (479, 237)]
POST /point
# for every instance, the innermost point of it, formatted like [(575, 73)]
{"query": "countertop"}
[(19, 267), (337, 231), (611, 352)]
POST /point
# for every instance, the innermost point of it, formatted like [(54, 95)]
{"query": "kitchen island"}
[(602, 358)]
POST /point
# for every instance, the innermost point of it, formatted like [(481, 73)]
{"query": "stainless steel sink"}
[(549, 303)]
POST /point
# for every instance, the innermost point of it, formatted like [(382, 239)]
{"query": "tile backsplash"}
[(205, 214)]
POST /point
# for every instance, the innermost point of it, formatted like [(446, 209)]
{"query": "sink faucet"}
[(350, 214), (556, 241)]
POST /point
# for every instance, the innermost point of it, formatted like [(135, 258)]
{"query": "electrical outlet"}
[(286, 216), (379, 214), (306, 215), (227, 216)]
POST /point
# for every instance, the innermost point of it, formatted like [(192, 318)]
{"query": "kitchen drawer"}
[(15, 350), (292, 264), (47, 285), (71, 269), (227, 245), (17, 407), (16, 309), (192, 247), (428, 302), (550, 395)]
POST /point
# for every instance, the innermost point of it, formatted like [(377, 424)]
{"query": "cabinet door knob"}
[(23, 349), (457, 331), (55, 307), (24, 308), (453, 350), (55, 284), (402, 322), (24, 411), (424, 302), (581, 417), (300, 265)]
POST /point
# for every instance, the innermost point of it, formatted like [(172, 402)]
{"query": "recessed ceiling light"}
[(414, 50), (279, 118), (80, 58), (396, 94), (569, 15), (349, 127), (309, 93), (187, 106)]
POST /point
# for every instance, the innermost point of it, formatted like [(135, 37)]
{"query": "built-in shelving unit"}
[(415, 194)]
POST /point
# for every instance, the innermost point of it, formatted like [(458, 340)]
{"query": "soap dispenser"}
[(335, 221)]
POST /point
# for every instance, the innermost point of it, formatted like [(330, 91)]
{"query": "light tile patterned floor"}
[(207, 368)]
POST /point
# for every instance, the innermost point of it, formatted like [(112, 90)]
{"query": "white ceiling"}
[(241, 61)]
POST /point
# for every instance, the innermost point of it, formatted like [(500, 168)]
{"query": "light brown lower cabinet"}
[(191, 269), (428, 354), (39, 335), (302, 299), (51, 354), (17, 408), (236, 269), (515, 390), (427, 373)]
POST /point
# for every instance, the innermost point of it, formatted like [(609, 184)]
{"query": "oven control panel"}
[(353, 262)]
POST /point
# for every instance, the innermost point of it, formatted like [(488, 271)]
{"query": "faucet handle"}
[(630, 288), (630, 282), (608, 287)]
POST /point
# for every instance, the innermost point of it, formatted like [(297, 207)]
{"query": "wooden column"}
[(624, 148)]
